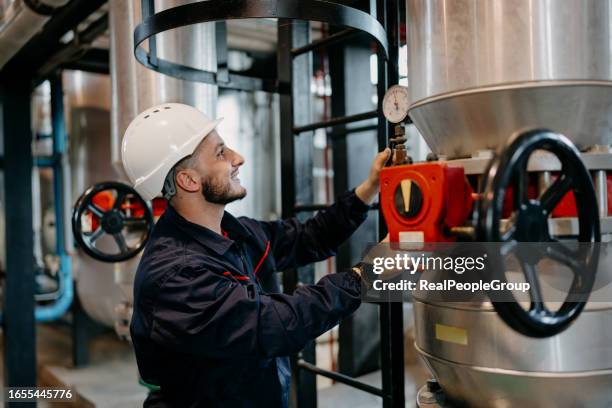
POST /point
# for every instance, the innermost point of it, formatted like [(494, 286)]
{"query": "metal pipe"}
[(65, 293), (341, 378), (601, 189), (336, 134), (336, 121), (76, 47), (94, 60), (19, 22), (544, 181), (47, 38), (60, 306), (18, 329), (326, 41), (316, 207)]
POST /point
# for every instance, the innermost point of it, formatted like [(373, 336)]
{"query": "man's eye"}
[(221, 152)]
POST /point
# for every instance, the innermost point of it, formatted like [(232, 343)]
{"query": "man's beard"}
[(220, 193)]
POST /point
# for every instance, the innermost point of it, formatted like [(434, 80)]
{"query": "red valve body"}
[(446, 201)]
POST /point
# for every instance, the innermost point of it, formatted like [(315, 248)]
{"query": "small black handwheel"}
[(529, 223), (111, 222)]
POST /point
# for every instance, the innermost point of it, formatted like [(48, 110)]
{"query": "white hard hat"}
[(159, 138)]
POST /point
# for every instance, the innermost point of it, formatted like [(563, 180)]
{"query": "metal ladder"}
[(294, 42)]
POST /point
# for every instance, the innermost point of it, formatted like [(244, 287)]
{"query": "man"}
[(210, 328)]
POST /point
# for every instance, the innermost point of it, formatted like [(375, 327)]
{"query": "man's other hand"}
[(367, 190)]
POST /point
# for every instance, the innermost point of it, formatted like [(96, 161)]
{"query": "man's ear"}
[(188, 180)]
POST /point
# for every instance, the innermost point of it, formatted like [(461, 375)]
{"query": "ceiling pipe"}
[(20, 21), (46, 40)]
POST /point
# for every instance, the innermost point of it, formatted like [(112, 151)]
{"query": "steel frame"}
[(18, 293), (19, 298), (215, 10), (17, 80), (391, 314), (19, 330)]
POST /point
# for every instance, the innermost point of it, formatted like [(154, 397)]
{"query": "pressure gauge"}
[(396, 103)]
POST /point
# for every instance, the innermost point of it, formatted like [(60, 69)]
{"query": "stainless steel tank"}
[(479, 70), (88, 107), (481, 363)]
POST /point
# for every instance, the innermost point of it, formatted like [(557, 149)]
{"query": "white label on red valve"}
[(411, 240), (412, 236)]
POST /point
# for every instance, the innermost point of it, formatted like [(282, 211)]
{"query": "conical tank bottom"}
[(462, 123)]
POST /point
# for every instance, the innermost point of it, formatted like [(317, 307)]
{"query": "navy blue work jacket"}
[(210, 326)]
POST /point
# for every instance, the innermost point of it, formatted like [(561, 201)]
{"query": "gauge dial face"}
[(396, 103)]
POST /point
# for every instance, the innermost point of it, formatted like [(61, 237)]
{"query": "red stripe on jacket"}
[(239, 277), (263, 258)]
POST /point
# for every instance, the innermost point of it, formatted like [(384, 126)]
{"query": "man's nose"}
[(238, 160)]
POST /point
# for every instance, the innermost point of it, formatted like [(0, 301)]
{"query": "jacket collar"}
[(207, 237)]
